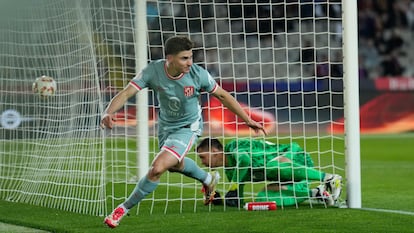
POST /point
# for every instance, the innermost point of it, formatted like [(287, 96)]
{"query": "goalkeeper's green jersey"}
[(247, 158)]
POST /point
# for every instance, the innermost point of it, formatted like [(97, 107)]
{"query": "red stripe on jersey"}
[(189, 145), (214, 89), (177, 155), (172, 152), (135, 85)]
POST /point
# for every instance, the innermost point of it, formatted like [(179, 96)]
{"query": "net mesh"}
[(282, 60)]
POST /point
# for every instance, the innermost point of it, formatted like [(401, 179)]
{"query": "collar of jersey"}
[(170, 76)]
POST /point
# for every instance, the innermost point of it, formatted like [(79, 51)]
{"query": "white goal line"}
[(389, 211)]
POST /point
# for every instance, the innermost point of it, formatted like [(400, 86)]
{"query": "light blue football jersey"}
[(178, 98)]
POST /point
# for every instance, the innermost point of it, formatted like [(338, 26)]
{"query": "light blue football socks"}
[(146, 186), (143, 188), (191, 169)]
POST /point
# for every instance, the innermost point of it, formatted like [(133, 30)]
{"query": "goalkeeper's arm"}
[(235, 193)]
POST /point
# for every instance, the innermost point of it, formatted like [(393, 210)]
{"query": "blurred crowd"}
[(288, 38), (386, 36)]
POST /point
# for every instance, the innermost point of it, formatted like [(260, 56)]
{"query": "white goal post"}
[(282, 60), (351, 101)]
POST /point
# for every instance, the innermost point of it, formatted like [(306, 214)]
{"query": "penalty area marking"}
[(389, 211)]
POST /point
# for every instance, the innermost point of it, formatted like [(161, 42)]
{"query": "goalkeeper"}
[(287, 166)]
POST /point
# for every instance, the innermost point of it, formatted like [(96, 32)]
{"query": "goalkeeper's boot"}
[(115, 217), (333, 184), (210, 189), (322, 195)]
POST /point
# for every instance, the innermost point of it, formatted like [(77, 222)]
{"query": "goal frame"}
[(351, 103)]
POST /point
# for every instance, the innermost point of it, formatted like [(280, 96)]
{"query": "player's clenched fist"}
[(107, 121)]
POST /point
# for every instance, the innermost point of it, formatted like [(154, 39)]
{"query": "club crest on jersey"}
[(188, 91)]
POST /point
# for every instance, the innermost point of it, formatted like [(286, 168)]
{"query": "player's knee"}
[(177, 168), (173, 169), (155, 172)]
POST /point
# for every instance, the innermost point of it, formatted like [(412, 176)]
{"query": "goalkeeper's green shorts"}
[(294, 194)]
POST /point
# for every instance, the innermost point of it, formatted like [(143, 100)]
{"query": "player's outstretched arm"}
[(116, 103), (231, 103)]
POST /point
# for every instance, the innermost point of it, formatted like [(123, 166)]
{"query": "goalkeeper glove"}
[(233, 186), (217, 199), (232, 198)]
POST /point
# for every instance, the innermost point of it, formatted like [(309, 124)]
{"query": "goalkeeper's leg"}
[(283, 169), (293, 194), (285, 195), (290, 171)]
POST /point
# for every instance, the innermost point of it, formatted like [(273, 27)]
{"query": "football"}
[(44, 86)]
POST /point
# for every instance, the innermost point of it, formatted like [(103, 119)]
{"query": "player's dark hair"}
[(177, 44), (208, 143)]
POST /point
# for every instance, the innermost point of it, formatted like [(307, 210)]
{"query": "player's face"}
[(210, 158), (180, 63)]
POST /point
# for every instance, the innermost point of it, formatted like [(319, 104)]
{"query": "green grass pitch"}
[(387, 165)]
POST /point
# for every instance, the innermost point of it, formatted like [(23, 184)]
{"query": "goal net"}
[(282, 60)]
